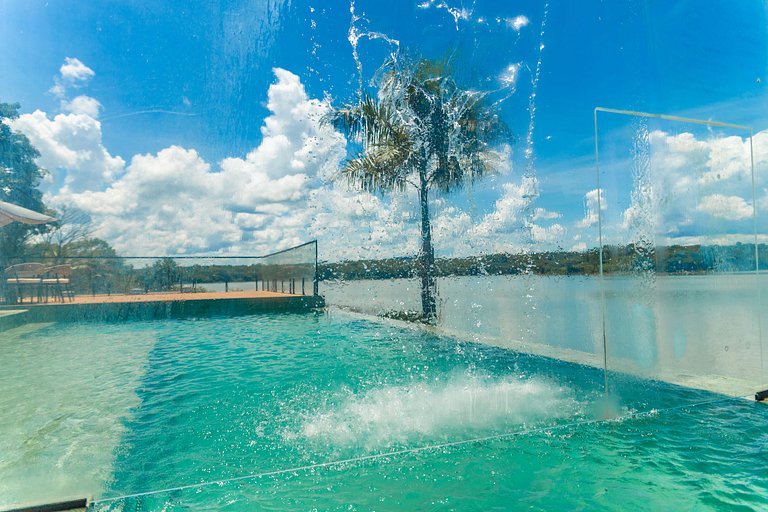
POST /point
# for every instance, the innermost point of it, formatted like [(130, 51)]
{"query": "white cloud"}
[(507, 215), (728, 159), (73, 74), (690, 184), (579, 247), (638, 218), (73, 70), (543, 214), (591, 214), (71, 149), (164, 203), (725, 207), (280, 194), (58, 90), (696, 179), (82, 105), (175, 202), (547, 234)]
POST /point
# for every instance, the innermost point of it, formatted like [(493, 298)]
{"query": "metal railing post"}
[(315, 284)]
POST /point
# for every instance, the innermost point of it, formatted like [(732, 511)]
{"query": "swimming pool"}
[(418, 421)]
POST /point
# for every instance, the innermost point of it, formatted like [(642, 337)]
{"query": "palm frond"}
[(420, 121), (380, 170)]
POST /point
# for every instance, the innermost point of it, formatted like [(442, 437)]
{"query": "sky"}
[(194, 127)]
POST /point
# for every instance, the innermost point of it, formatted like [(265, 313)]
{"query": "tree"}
[(19, 179), (421, 130), (71, 226), (165, 273)]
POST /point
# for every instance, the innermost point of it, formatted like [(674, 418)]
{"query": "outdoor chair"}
[(57, 279), (24, 279)]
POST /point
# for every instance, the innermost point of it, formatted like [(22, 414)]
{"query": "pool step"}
[(12, 318)]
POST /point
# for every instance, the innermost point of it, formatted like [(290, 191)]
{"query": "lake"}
[(702, 330)]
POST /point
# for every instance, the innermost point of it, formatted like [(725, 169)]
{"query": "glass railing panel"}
[(679, 269), (291, 271)]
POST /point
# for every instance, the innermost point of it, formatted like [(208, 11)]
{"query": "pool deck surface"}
[(159, 297), (155, 305)]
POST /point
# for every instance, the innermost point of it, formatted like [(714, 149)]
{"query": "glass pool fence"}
[(46, 277)]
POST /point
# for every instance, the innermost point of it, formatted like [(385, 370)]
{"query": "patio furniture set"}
[(35, 282)]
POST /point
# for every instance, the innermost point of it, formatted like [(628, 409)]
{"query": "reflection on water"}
[(695, 329)]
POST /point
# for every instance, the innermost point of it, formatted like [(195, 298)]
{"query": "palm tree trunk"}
[(427, 258)]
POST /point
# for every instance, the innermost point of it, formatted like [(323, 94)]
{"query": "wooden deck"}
[(158, 296), (148, 306)]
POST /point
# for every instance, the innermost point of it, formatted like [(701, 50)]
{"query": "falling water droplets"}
[(355, 33)]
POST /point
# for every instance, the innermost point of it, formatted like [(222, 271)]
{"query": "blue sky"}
[(186, 85)]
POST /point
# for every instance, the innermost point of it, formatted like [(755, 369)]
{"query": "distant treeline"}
[(675, 259), (98, 269)]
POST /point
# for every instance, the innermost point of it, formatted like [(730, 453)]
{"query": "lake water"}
[(703, 331)]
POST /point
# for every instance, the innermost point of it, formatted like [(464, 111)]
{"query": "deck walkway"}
[(161, 297)]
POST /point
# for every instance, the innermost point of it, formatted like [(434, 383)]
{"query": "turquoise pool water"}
[(223, 398)]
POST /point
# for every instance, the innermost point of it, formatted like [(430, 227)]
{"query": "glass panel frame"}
[(655, 293)]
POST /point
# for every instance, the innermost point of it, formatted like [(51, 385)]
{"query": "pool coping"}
[(165, 306)]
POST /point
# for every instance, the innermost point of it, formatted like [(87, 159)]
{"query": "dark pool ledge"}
[(70, 505), (159, 307)]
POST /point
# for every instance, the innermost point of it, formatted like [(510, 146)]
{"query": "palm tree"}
[(421, 130)]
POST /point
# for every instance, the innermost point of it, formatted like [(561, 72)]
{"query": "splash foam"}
[(396, 414)]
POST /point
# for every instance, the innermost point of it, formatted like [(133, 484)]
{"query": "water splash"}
[(638, 219), (458, 13), (355, 34), (397, 414), (530, 181), (529, 152)]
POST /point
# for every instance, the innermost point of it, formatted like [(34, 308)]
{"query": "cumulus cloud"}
[(693, 188), (591, 211), (176, 202), (73, 74), (82, 105), (543, 214), (71, 149), (725, 207), (547, 234), (579, 247), (296, 153), (278, 195), (513, 224), (699, 179), (507, 214), (73, 70), (164, 203)]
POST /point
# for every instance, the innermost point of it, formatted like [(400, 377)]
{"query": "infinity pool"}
[(337, 412)]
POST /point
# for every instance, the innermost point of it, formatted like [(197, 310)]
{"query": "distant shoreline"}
[(617, 260)]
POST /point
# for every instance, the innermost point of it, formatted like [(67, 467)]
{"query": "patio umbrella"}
[(15, 213)]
